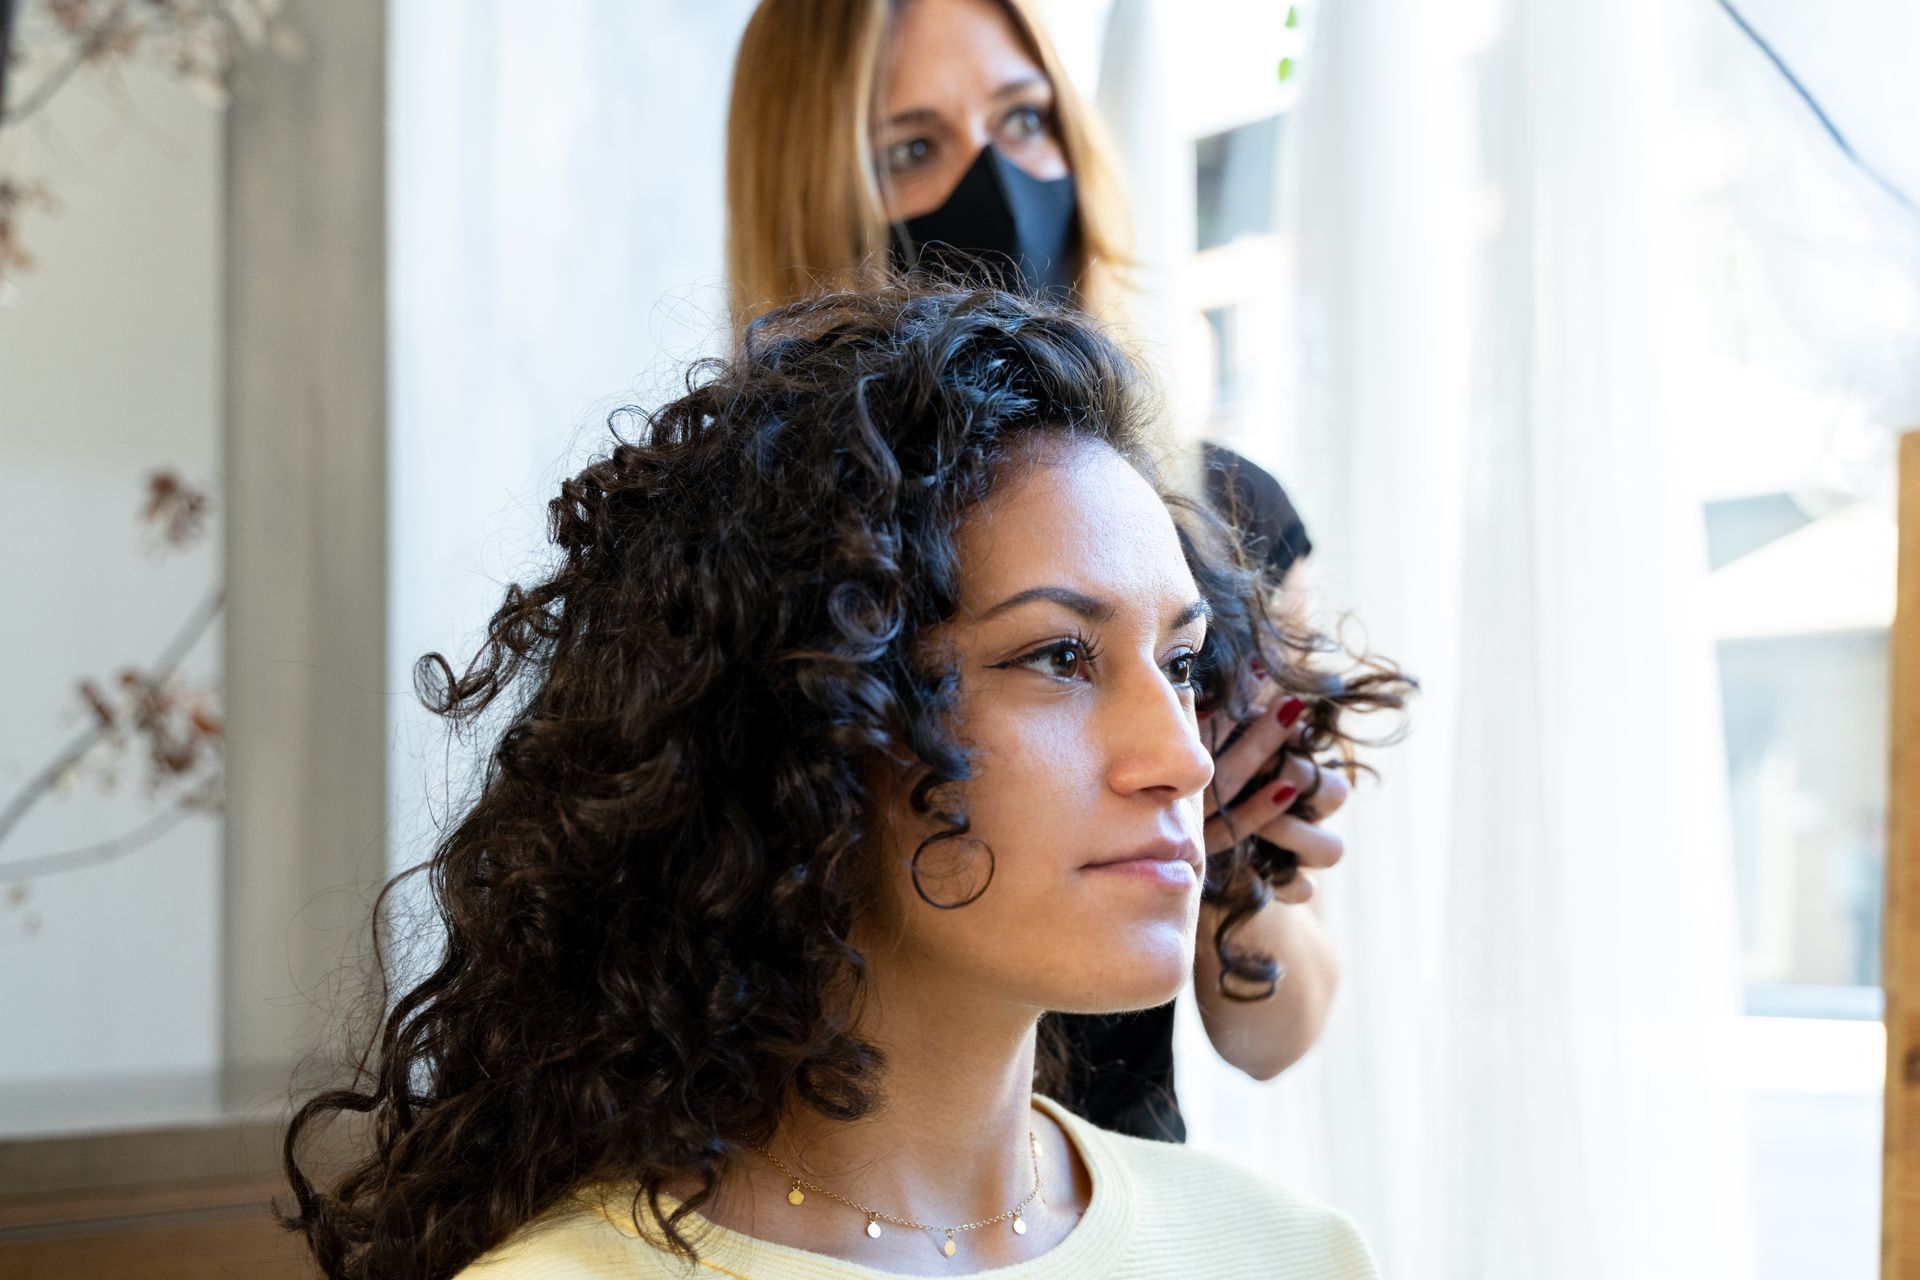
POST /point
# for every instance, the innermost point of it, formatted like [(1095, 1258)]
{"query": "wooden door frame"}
[(1900, 1169)]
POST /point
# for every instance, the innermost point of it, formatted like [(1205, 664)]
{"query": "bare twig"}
[(6, 46), (45, 90), (86, 48), (189, 635), (93, 855), (43, 783)]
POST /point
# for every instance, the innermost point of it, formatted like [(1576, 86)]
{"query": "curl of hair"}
[(1252, 641), (646, 910)]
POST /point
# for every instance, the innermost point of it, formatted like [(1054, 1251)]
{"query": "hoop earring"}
[(914, 870)]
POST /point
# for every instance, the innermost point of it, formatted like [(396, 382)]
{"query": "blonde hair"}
[(803, 199)]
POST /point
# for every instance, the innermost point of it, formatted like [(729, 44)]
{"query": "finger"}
[(1322, 790), (1251, 815), (1210, 725), (1222, 834), (1296, 892), (1313, 845), (1266, 730)]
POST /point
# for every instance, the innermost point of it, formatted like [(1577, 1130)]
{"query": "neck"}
[(949, 1140), (948, 1143)]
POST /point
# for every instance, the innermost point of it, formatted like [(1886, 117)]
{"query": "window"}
[(1234, 187), (1801, 604)]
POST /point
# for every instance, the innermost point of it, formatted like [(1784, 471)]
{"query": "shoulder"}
[(1177, 1188), (574, 1242)]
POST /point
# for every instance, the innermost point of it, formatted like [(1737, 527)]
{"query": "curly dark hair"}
[(646, 911)]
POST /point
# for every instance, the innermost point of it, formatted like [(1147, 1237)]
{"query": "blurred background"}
[(1581, 335)]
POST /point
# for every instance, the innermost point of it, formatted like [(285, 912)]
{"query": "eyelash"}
[(1090, 655)]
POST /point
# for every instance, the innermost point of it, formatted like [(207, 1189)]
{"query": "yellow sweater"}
[(1158, 1212)]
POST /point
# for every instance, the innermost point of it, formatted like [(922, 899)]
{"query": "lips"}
[(1159, 851)]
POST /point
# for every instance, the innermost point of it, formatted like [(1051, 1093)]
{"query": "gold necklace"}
[(799, 1186)]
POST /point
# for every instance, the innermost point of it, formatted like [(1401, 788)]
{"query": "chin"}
[(1146, 972)]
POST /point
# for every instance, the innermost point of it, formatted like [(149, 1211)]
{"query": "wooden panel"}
[(99, 1161), (141, 1200), (244, 1244), (155, 1204), (1900, 1202)]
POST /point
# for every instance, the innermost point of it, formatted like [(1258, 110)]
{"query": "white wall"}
[(109, 368), (555, 214)]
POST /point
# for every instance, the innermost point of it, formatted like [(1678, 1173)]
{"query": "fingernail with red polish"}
[(1290, 711), (1285, 794)]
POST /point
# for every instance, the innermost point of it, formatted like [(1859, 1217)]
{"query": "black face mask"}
[(1001, 227)]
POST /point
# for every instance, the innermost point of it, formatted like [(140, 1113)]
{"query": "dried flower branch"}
[(16, 197), (177, 726), (176, 509), (198, 41)]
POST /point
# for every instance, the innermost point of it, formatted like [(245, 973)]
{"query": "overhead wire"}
[(1819, 113)]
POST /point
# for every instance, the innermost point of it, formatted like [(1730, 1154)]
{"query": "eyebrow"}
[(1198, 611), (1012, 87), (1089, 607), (919, 115), (927, 115)]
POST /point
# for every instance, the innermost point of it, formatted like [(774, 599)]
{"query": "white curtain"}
[(555, 197), (1525, 1074)]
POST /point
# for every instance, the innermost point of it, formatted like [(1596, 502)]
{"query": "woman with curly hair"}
[(853, 733)]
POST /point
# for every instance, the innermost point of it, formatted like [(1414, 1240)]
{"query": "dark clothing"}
[(1255, 504), (1120, 1071), (1120, 1065)]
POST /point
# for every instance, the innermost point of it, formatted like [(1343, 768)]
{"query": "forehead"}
[(943, 49), (1073, 514)]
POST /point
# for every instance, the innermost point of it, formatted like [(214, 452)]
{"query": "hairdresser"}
[(876, 137)]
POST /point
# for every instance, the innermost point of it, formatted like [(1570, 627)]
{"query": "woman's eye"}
[(1064, 661), (1024, 122), (910, 153), (1185, 670)]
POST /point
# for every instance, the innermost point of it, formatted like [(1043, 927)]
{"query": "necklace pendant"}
[(949, 1248), (1019, 1224), (873, 1228), (795, 1195)]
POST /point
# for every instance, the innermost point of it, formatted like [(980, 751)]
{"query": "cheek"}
[(1040, 156), (1036, 790), (1049, 750)]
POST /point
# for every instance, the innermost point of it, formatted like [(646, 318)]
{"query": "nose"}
[(979, 131), (1153, 744)]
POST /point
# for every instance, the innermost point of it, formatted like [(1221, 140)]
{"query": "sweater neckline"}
[(1089, 1249)]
